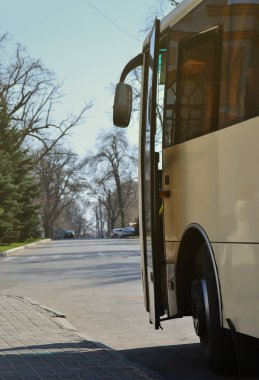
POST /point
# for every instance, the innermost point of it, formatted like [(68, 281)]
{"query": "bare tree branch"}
[(61, 181), (31, 92), (114, 166)]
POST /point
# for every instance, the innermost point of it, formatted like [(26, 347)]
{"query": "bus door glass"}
[(151, 185)]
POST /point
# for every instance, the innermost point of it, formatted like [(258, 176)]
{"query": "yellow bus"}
[(198, 173)]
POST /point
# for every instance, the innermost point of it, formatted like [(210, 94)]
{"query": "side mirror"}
[(122, 105)]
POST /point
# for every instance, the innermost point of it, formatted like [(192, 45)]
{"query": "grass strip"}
[(6, 247)]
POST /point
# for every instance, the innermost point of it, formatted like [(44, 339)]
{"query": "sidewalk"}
[(36, 343)]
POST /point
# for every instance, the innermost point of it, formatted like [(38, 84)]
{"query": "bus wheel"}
[(216, 342)]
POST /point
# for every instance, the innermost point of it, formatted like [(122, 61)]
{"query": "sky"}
[(84, 49)]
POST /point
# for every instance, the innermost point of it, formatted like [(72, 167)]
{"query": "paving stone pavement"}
[(34, 346)]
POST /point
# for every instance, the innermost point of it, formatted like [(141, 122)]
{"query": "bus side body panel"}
[(214, 183), (238, 266)]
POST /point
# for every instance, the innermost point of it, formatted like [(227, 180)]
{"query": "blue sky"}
[(85, 51)]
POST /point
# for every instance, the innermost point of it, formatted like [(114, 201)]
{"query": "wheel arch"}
[(193, 237)]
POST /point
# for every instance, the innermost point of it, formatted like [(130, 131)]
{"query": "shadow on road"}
[(90, 360), (178, 362), (68, 360)]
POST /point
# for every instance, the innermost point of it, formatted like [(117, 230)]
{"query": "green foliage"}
[(7, 246), (18, 190)]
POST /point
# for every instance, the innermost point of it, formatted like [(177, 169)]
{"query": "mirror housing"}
[(122, 105)]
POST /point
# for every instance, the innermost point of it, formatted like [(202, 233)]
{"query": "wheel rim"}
[(200, 308), (206, 304)]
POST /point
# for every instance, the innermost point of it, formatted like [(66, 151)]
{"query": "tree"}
[(159, 10), (74, 216), (31, 92), (105, 205), (59, 175), (114, 168), (9, 207), (30, 136), (18, 189)]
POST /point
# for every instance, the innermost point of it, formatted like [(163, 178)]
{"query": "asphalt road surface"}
[(96, 284)]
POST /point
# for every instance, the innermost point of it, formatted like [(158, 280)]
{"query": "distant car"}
[(117, 233), (123, 232), (69, 234), (129, 231), (61, 233)]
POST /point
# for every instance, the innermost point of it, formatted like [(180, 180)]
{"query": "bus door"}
[(151, 182)]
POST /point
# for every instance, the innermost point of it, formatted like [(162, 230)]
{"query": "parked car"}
[(123, 232), (61, 233), (69, 234), (129, 231)]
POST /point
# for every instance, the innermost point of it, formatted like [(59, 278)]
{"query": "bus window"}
[(162, 57), (170, 93), (239, 79), (197, 91)]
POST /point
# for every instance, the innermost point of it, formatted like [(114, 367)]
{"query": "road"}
[(96, 284)]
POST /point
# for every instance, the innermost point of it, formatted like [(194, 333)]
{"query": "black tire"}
[(115, 236), (216, 341)]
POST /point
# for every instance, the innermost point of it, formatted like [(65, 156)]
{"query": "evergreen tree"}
[(9, 207), (29, 190), (18, 190)]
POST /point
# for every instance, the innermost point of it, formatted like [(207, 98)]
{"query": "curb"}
[(17, 250), (54, 313)]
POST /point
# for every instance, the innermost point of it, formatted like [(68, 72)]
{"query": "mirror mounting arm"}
[(131, 65)]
